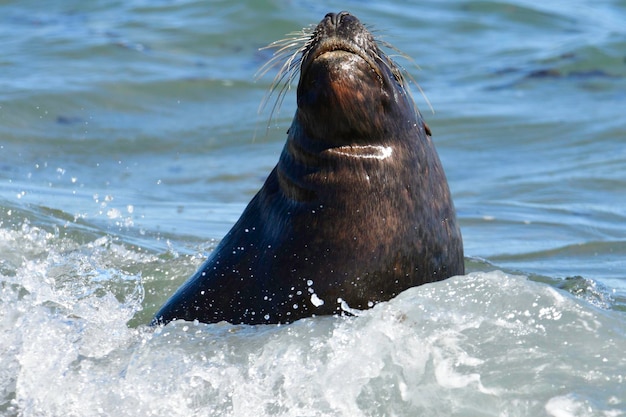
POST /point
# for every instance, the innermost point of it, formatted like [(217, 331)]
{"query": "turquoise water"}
[(131, 140)]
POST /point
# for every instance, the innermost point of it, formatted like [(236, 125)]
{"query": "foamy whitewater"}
[(463, 347)]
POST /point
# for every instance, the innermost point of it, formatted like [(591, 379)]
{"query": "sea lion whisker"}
[(302, 34), (405, 73), (288, 49), (401, 72), (291, 47), (285, 76), (286, 86), (285, 67), (388, 63), (292, 42)]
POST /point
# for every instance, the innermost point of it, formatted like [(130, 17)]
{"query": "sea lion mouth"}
[(335, 47), (338, 36)]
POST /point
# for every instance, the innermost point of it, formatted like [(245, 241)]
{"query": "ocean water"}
[(131, 140)]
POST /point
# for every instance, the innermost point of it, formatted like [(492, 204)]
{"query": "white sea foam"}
[(482, 344)]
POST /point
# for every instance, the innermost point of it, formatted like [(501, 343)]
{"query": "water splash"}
[(482, 344)]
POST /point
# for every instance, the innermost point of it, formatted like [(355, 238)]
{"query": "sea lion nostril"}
[(340, 17), (337, 18)]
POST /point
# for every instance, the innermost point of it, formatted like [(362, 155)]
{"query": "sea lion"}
[(356, 211)]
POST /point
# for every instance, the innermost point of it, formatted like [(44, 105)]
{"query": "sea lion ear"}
[(427, 130)]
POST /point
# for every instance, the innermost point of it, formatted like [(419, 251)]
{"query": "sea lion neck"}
[(349, 90)]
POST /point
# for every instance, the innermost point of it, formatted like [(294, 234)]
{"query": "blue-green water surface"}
[(131, 140)]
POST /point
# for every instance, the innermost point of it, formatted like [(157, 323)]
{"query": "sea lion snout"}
[(342, 31)]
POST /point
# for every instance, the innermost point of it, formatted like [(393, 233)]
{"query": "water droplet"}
[(316, 301)]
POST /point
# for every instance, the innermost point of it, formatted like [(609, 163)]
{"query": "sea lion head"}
[(349, 90)]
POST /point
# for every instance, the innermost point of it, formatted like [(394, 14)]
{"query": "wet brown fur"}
[(357, 209)]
